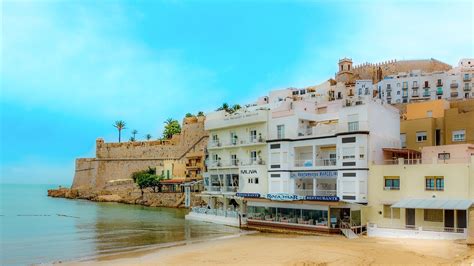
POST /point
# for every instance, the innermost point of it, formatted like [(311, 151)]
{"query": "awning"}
[(438, 204)]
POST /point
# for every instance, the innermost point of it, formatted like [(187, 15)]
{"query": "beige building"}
[(437, 122), (430, 197)]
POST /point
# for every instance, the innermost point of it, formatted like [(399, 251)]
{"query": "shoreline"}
[(282, 249)]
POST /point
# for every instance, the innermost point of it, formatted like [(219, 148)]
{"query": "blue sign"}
[(248, 195), (322, 198), (332, 174), (283, 197)]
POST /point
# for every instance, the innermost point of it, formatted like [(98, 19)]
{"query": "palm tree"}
[(200, 113), (120, 125), (224, 107), (148, 136), (134, 133)]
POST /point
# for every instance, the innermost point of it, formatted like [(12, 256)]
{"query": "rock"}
[(109, 198)]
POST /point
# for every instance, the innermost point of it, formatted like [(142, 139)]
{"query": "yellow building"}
[(437, 122), (425, 198)]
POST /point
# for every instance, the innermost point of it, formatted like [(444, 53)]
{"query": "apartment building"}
[(437, 122), (430, 195), (415, 85), (236, 163), (318, 163)]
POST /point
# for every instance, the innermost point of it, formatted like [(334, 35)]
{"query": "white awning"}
[(438, 204)]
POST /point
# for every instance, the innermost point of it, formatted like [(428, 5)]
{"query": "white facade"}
[(417, 86), (328, 154)]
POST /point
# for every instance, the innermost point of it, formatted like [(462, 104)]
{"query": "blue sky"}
[(71, 68)]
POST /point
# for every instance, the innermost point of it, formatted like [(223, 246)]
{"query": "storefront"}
[(311, 213)]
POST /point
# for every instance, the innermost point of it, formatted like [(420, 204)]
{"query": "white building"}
[(419, 86)]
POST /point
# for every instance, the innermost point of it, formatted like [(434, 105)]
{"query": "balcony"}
[(415, 86), (439, 91), (252, 141), (426, 93), (223, 164), (466, 88), (466, 77), (252, 161), (308, 163), (415, 93), (454, 94), (439, 84), (454, 85)]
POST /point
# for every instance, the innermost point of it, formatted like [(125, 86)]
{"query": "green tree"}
[(171, 127), (132, 139), (120, 125), (200, 113), (189, 115), (147, 178), (148, 136), (224, 107), (236, 107), (134, 133)]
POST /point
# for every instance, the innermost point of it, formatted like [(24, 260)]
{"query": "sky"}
[(69, 69)]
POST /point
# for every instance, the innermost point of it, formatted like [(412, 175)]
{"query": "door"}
[(410, 218), (438, 137), (461, 218), (449, 218)]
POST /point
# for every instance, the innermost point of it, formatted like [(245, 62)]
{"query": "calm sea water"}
[(37, 229)]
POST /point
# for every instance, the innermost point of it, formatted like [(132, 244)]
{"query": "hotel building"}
[(428, 196), (318, 162)]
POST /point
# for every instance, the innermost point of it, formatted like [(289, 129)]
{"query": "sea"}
[(37, 229)]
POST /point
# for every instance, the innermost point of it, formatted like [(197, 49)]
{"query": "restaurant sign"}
[(317, 174), (248, 195), (322, 198), (283, 197)]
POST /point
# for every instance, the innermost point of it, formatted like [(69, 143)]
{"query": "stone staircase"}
[(346, 230)]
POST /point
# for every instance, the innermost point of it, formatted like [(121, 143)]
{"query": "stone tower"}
[(345, 72)]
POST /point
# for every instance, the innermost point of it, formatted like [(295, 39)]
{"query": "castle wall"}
[(117, 161)]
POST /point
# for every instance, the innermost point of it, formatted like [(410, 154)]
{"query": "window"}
[(444, 156), (440, 83), (405, 85), (233, 138), (215, 157), (389, 212), (353, 126), (274, 175), (233, 159), (274, 146), (433, 215), (253, 156), (392, 183), (415, 84), (215, 139), (253, 135), (466, 76), (280, 131), (459, 135), (398, 92), (256, 180), (421, 136), (360, 91), (250, 180), (434, 183), (403, 140), (349, 174), (349, 140), (427, 84)]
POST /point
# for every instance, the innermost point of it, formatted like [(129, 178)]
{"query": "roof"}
[(402, 151), (443, 204)]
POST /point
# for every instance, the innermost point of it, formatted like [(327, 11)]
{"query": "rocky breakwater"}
[(130, 195)]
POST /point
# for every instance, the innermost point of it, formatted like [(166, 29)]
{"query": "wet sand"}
[(275, 249)]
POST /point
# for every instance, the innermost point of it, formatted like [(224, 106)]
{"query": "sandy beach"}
[(276, 249)]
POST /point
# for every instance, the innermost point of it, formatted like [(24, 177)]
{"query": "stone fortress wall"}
[(392, 67), (117, 161)]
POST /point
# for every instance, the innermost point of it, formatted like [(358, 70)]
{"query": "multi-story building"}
[(318, 159), (429, 195), (237, 158), (437, 122), (415, 85)]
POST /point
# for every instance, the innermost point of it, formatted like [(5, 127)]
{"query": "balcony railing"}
[(439, 91), (255, 161), (310, 192), (426, 93), (237, 142), (221, 163), (466, 88), (221, 188), (216, 212), (466, 78), (317, 162), (454, 94), (454, 85)]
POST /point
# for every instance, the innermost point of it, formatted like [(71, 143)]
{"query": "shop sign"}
[(283, 197), (247, 195), (332, 174), (322, 198), (249, 172)]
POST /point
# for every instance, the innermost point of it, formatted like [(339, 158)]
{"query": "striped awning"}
[(438, 204)]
